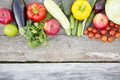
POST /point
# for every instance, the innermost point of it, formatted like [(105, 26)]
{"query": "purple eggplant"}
[(99, 6), (19, 11)]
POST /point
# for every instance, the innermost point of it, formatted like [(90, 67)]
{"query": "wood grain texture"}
[(60, 71), (59, 48)]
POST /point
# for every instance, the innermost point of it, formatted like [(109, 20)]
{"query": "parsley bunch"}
[(34, 32)]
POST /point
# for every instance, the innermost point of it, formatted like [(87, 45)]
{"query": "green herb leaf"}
[(34, 32)]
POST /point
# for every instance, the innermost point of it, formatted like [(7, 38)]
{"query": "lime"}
[(10, 30)]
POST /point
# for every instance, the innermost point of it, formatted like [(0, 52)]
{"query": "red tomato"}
[(85, 32), (112, 32), (90, 29), (110, 39), (90, 35), (108, 28), (119, 30), (111, 23), (95, 30), (103, 32), (97, 36), (116, 26), (104, 38), (117, 35)]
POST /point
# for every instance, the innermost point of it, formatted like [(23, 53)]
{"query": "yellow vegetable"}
[(81, 9)]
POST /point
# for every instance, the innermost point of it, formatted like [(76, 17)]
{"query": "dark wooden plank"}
[(60, 71)]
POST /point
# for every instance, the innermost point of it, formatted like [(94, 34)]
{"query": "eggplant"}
[(19, 11), (99, 6)]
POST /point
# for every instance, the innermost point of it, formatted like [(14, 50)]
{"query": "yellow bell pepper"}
[(81, 9)]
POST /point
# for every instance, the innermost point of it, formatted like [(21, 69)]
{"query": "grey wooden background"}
[(72, 71), (60, 47)]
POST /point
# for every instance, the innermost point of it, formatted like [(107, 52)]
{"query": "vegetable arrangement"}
[(105, 24), (36, 21)]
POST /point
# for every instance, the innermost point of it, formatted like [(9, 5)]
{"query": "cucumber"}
[(72, 20), (66, 4), (80, 29), (74, 30)]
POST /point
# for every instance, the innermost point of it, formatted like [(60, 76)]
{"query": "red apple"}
[(100, 21), (5, 16), (52, 27)]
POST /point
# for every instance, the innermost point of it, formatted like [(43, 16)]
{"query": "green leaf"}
[(34, 32), (92, 2)]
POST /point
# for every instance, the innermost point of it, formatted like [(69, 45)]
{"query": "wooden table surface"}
[(60, 47), (71, 71)]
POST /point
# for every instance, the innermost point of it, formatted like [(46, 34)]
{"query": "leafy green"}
[(89, 20), (92, 2), (112, 9), (34, 32)]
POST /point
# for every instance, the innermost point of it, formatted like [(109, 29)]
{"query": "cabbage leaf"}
[(112, 9)]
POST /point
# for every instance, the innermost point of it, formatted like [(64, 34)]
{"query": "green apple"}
[(10, 30)]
